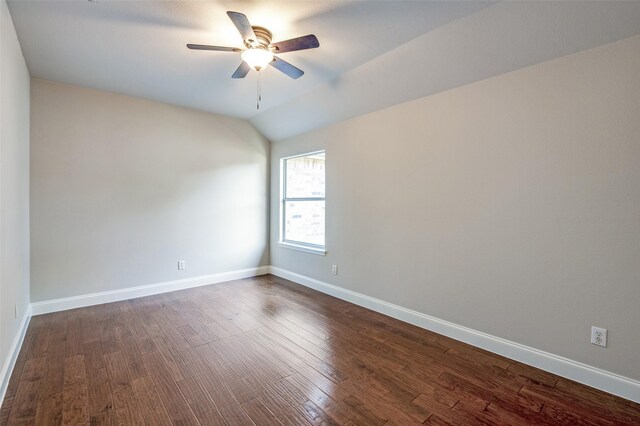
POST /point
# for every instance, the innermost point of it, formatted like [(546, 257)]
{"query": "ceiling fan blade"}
[(216, 48), (300, 43), (244, 27), (286, 67), (242, 70)]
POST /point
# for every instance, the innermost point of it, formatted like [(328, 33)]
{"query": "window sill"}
[(312, 250)]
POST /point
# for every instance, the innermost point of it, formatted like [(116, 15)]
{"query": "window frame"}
[(292, 244)]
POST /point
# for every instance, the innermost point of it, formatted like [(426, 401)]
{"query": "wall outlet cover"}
[(599, 336)]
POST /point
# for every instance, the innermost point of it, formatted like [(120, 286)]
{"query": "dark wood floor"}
[(266, 351)]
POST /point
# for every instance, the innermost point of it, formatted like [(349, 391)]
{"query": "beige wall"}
[(14, 187), (123, 188), (510, 206)]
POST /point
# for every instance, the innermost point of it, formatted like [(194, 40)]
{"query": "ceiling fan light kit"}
[(257, 58)]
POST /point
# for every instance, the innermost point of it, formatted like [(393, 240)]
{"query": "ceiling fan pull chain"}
[(259, 88)]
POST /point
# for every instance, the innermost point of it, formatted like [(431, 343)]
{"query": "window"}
[(303, 202)]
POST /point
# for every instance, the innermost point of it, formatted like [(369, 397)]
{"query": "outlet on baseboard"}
[(182, 265), (599, 336)]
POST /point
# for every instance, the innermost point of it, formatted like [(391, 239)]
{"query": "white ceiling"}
[(372, 54), (138, 47)]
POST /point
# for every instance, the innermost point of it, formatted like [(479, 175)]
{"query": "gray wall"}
[(123, 188), (14, 185), (510, 206)]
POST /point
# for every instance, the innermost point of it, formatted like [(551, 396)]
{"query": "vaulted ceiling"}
[(372, 54)]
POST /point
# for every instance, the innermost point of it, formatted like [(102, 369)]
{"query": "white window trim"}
[(296, 245), (307, 249)]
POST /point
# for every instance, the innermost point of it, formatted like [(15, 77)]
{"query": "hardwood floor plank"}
[(75, 395), (200, 402), (170, 357), (497, 414), (53, 381), (266, 351), (93, 357), (364, 411), (302, 351), (444, 414), (488, 391), (298, 358), (7, 403), (23, 410), (311, 401), (101, 410), (50, 410), (217, 388), (153, 410), (108, 336), (169, 392), (128, 410), (558, 415), (286, 414), (137, 328), (224, 363), (594, 396), (40, 342), (132, 355), (88, 327), (532, 374), (259, 413), (74, 341), (576, 402), (125, 402)]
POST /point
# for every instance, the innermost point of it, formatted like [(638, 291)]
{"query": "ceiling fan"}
[(259, 51)]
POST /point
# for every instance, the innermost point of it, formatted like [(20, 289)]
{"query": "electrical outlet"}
[(182, 265), (334, 269), (599, 336)]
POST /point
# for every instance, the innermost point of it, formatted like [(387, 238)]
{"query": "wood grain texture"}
[(75, 395), (264, 351)]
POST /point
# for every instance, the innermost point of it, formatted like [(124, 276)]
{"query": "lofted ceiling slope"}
[(493, 41), (373, 54)]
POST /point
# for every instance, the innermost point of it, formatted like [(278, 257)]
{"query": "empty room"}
[(333, 212)]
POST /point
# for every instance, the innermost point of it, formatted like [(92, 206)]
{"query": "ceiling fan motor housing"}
[(263, 36)]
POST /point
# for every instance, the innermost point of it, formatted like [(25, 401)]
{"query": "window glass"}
[(305, 176), (303, 203), (304, 221)]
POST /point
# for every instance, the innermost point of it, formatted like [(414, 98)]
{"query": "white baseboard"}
[(579, 372), (12, 356), (81, 301)]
